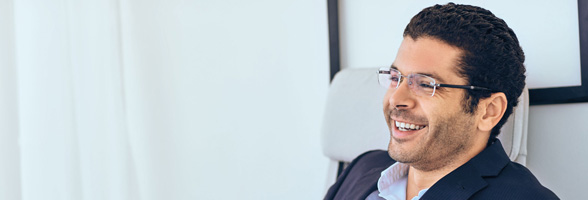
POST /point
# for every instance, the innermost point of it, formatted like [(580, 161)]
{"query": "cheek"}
[(446, 114), (437, 111)]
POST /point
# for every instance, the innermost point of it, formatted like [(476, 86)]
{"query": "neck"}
[(423, 179)]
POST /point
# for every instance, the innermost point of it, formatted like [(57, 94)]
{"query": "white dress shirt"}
[(392, 184)]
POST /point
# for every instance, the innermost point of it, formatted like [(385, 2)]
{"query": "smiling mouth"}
[(403, 126)]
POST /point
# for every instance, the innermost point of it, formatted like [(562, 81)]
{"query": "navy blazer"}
[(489, 175)]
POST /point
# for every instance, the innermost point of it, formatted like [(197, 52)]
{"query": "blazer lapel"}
[(468, 179), (369, 182), (462, 183), (361, 176)]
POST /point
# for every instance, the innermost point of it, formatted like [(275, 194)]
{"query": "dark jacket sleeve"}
[(360, 178)]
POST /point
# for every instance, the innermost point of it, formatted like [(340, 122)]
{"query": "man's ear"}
[(491, 109)]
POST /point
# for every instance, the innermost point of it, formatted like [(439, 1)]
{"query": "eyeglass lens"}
[(418, 83)]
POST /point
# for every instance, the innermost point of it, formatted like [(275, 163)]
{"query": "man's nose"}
[(402, 96)]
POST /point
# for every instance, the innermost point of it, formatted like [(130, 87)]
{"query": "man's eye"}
[(426, 85), (394, 78)]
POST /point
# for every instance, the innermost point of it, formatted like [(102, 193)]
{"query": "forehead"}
[(428, 56)]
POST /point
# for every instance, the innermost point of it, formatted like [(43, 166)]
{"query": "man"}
[(456, 78)]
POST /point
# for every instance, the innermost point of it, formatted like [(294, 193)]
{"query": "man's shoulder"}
[(373, 157), (359, 179), (490, 175), (370, 161), (515, 181)]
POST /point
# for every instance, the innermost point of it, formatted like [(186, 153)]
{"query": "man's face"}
[(442, 131)]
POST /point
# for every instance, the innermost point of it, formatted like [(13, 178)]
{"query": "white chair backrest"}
[(354, 121)]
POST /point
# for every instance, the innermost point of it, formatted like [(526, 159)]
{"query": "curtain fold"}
[(149, 99), (74, 138), (9, 150)]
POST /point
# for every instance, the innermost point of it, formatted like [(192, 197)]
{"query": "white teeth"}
[(406, 126)]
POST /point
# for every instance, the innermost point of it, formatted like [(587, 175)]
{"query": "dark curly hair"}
[(492, 56)]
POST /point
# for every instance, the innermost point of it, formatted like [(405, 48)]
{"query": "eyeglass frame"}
[(435, 84)]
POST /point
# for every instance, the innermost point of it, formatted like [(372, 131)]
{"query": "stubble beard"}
[(444, 141)]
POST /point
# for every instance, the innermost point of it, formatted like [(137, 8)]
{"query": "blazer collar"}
[(491, 160), (467, 179), (369, 181)]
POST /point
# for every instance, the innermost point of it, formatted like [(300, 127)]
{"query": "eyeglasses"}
[(419, 84)]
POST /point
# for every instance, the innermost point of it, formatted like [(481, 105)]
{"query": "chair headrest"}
[(354, 121)]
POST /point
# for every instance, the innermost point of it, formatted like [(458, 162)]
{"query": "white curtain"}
[(10, 184), (129, 99), (72, 122)]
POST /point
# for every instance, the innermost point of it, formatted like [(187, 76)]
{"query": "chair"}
[(354, 123)]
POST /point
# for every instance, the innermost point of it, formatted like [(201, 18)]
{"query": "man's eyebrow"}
[(432, 75), (393, 67)]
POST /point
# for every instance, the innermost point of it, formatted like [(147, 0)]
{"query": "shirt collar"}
[(392, 181)]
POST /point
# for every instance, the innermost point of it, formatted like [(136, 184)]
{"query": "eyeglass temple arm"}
[(469, 87)]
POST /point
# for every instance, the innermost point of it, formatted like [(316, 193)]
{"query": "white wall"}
[(557, 150), (233, 96), (371, 33)]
